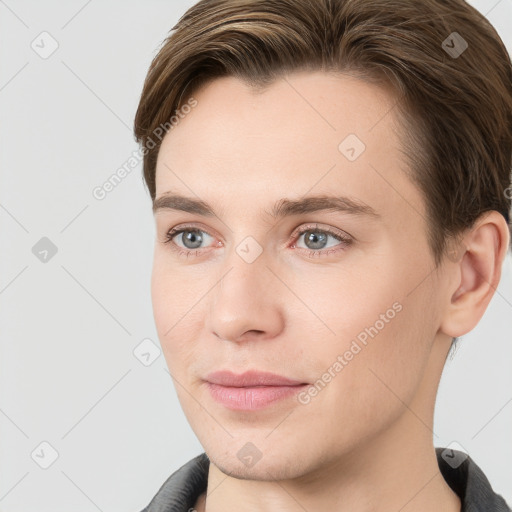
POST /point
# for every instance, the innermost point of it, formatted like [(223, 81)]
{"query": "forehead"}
[(315, 106), (311, 131)]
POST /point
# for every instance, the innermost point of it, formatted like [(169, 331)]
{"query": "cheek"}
[(380, 340), (384, 374), (177, 313), (346, 304)]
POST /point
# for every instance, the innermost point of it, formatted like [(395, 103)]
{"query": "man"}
[(330, 183)]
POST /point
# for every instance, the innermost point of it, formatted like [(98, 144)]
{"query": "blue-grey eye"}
[(191, 238), (317, 239)]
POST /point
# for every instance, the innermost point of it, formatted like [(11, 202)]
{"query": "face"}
[(341, 300)]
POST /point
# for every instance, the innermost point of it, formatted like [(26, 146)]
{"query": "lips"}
[(252, 390), (250, 378)]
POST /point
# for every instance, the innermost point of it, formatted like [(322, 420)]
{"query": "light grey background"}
[(68, 375)]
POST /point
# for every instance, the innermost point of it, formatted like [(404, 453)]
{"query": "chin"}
[(268, 468)]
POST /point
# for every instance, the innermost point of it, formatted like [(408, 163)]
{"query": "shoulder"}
[(181, 490), (468, 480)]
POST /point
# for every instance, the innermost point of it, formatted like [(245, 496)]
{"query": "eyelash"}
[(345, 241)]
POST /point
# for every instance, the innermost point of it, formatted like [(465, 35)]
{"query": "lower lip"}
[(251, 399)]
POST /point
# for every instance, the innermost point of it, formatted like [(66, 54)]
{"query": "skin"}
[(365, 442)]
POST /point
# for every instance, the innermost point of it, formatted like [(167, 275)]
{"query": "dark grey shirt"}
[(181, 490)]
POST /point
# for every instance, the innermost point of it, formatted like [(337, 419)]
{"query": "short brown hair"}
[(455, 110)]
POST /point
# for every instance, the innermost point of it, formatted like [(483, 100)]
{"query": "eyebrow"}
[(282, 208)]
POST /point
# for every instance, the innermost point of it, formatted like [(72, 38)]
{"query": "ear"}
[(477, 273)]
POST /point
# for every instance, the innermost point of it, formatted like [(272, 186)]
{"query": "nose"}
[(246, 303)]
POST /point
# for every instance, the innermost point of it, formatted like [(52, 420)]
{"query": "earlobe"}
[(477, 273)]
